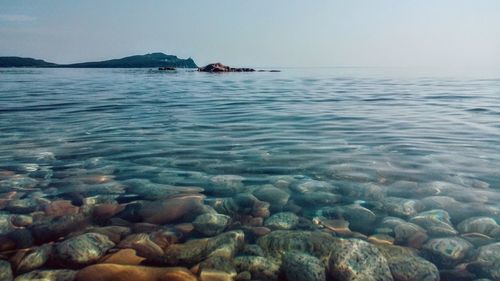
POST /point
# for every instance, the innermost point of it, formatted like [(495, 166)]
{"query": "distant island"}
[(137, 61)]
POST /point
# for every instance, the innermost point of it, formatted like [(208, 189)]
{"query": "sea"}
[(338, 146)]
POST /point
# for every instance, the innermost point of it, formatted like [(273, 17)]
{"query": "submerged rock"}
[(5, 271), (48, 275), (299, 266), (483, 225), (194, 251), (143, 245), (410, 234), (34, 258), (217, 269), (406, 265), (447, 251), (211, 224), (279, 242), (283, 221), (274, 196), (436, 222), (400, 207), (115, 272), (357, 260), (488, 260), (261, 268), (83, 249), (165, 211)]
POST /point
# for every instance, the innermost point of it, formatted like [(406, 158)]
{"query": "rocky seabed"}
[(95, 227)]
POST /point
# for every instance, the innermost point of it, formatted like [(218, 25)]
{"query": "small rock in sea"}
[(22, 220), (217, 269), (363, 191), (357, 260), (410, 234), (406, 265), (52, 230), (5, 271), (33, 259), (318, 198), (124, 257), (83, 249), (143, 245), (219, 67), (60, 208), (21, 237), (447, 251), (225, 185), (244, 276), (400, 207), (48, 275), (311, 186), (436, 222), (6, 224), (114, 272), (241, 204), (115, 233), (184, 228), (299, 266), (252, 250), (282, 221), (22, 206), (262, 268), (194, 251), (315, 243), (488, 260), (273, 195), (483, 225), (165, 211), (477, 239), (360, 218), (211, 224)]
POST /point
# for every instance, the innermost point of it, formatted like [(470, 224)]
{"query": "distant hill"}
[(148, 60), (24, 62)]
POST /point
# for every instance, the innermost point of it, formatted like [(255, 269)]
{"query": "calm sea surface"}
[(363, 135)]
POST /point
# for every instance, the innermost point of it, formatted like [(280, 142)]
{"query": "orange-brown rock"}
[(115, 272), (143, 245), (106, 210), (165, 211), (60, 208), (124, 257)]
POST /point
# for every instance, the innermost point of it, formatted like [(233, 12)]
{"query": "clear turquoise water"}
[(412, 134), (366, 124)]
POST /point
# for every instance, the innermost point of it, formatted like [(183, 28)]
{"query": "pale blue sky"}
[(451, 33)]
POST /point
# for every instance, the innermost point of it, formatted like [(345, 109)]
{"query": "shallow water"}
[(361, 134)]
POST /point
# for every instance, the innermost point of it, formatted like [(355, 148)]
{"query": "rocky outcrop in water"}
[(219, 67)]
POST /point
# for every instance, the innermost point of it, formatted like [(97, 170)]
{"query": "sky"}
[(286, 33)]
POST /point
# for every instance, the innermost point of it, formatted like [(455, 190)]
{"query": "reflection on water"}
[(264, 161)]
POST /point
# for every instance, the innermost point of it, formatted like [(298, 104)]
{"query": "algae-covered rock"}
[(5, 271), (83, 249), (299, 266), (282, 221), (115, 272), (357, 260), (315, 243), (211, 224), (196, 250), (261, 268), (217, 269), (48, 275), (436, 222), (447, 251), (34, 258), (488, 260), (406, 265)]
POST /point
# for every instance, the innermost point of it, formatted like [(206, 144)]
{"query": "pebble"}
[(299, 266), (357, 260), (259, 267), (5, 271), (282, 221), (116, 272), (211, 224), (48, 275), (83, 249)]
